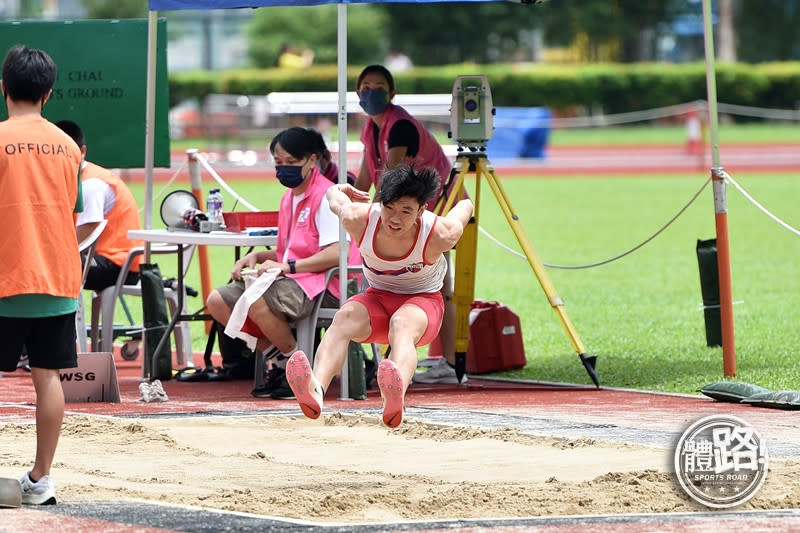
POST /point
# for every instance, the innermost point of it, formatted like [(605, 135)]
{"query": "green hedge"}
[(614, 88)]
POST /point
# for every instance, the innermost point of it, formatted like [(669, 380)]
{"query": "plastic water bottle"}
[(214, 206), (218, 207), (211, 203)]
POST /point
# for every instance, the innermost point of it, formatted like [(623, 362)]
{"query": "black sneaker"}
[(274, 378), (282, 390)]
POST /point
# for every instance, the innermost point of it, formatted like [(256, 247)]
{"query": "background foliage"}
[(118, 9), (611, 88), (435, 34), (315, 28)]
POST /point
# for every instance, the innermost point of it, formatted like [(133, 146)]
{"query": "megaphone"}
[(176, 206)]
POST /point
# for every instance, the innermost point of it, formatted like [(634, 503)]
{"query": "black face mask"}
[(290, 176)]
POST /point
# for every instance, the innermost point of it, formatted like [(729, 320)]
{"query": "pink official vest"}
[(298, 233), (430, 153)]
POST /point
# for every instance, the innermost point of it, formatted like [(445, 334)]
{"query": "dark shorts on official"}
[(50, 341)]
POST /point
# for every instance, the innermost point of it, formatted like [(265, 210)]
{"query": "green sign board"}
[(102, 84)]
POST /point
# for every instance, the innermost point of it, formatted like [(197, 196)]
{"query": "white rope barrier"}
[(763, 209), (624, 118), (759, 112), (727, 178), (663, 112), (168, 183), (203, 161), (610, 259)]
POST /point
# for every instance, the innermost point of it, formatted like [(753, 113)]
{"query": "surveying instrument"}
[(471, 125)]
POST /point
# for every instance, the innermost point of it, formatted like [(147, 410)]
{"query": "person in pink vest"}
[(307, 246), (40, 267), (392, 137), (402, 245), (105, 196), (328, 168)]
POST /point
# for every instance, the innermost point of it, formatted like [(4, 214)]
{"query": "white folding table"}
[(183, 238)]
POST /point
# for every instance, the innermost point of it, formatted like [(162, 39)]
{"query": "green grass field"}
[(641, 315), (777, 132)]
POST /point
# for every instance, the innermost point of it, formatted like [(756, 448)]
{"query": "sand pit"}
[(349, 469)]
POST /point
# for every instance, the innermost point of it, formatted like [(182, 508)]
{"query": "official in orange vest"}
[(105, 196), (40, 267)]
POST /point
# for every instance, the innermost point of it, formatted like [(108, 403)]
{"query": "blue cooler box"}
[(519, 132)]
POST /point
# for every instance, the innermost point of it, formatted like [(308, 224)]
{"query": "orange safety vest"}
[(113, 243), (38, 191)]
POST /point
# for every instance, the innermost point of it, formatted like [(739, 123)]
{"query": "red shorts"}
[(381, 305)]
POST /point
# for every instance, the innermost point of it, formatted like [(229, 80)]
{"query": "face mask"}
[(373, 101), (290, 176)]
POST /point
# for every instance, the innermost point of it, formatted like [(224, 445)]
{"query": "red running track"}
[(572, 161)]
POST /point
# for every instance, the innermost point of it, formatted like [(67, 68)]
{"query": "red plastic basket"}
[(239, 221)]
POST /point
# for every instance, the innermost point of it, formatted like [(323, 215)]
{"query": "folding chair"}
[(86, 246), (104, 305)]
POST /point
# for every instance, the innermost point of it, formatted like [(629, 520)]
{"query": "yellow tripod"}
[(466, 257)]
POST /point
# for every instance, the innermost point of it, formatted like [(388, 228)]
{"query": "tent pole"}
[(341, 47), (150, 114), (720, 203)]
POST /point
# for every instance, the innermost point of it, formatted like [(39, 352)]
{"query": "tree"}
[(116, 9), (767, 30), (30, 9), (727, 37), (315, 27), (630, 24), (436, 34)]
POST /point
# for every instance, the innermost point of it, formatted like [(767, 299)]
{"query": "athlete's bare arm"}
[(449, 228), (351, 206)]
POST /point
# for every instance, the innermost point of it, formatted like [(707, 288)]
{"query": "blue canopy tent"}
[(717, 173)]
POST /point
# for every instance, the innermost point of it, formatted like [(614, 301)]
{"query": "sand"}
[(350, 469)]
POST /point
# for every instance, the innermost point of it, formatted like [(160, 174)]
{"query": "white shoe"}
[(440, 372), (40, 493), (429, 361), (157, 391), (152, 392), (144, 390)]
